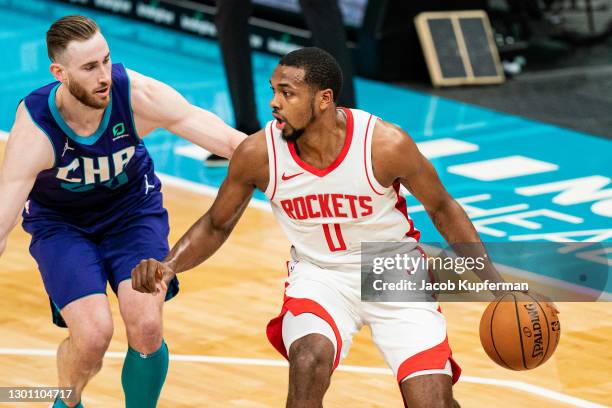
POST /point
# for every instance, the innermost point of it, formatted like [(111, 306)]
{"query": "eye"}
[(89, 68), (286, 94)]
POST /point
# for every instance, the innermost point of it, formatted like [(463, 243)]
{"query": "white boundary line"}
[(3, 135), (191, 358)]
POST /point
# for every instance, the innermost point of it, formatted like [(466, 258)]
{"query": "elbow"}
[(234, 141), (442, 205), (220, 230)]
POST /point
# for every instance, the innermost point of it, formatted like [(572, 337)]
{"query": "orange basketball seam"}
[(492, 337), (518, 322)]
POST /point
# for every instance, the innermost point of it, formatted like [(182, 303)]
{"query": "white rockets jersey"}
[(327, 213)]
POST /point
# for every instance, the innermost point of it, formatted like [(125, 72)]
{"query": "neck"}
[(324, 135), (74, 111)]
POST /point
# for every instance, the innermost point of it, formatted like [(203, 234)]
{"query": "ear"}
[(326, 99), (58, 71)]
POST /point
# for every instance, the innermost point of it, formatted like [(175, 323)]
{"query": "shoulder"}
[(394, 153), (24, 122), (136, 78), (388, 137), (137, 81), (26, 139), (252, 153), (249, 162)]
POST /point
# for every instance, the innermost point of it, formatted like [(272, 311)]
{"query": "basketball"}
[(518, 332)]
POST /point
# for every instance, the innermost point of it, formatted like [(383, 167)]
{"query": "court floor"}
[(216, 328)]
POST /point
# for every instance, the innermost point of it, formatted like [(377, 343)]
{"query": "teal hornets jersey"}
[(93, 178)]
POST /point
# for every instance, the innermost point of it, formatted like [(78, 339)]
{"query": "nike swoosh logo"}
[(285, 178)]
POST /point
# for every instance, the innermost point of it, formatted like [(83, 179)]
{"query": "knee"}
[(94, 341), (145, 333), (312, 355)]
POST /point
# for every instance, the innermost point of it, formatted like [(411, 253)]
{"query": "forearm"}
[(208, 131), (9, 217), (198, 244), (5, 229), (457, 229)]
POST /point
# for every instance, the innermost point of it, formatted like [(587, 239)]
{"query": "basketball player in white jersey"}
[(333, 177)]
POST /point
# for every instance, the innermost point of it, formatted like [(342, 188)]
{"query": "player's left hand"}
[(151, 276), (537, 296), (544, 299)]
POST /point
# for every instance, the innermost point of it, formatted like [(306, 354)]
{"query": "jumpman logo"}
[(147, 185), (66, 148), (27, 207)]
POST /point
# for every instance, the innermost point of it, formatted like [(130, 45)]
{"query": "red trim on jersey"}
[(274, 153), (365, 159), (434, 358), (400, 205), (339, 159), (297, 306)]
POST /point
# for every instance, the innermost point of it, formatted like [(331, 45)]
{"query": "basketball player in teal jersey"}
[(75, 163)]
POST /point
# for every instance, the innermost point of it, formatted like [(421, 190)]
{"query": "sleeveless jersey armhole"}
[(367, 154), (129, 102), (272, 166), (25, 105)]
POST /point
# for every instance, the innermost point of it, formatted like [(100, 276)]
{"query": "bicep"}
[(247, 171), (400, 159), (425, 184), (158, 105), (232, 199), (155, 104)]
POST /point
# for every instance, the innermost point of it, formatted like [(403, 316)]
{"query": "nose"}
[(105, 76), (274, 104)]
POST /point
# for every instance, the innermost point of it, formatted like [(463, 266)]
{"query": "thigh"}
[(296, 328), (70, 264), (323, 299), (412, 338)]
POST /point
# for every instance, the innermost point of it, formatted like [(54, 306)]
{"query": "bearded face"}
[(85, 69), (96, 97)]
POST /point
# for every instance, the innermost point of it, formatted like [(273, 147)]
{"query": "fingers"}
[(136, 272), (144, 276), (149, 283), (545, 299)]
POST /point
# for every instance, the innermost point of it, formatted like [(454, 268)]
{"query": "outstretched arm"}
[(396, 157), (28, 152), (157, 105), (248, 169)]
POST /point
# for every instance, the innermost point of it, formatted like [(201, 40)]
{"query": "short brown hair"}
[(67, 29)]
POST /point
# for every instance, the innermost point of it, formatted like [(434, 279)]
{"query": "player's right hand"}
[(151, 276)]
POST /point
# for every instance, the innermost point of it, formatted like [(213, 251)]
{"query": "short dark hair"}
[(320, 68), (67, 29)]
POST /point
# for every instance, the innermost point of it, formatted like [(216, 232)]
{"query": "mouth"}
[(103, 92), (280, 122)]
